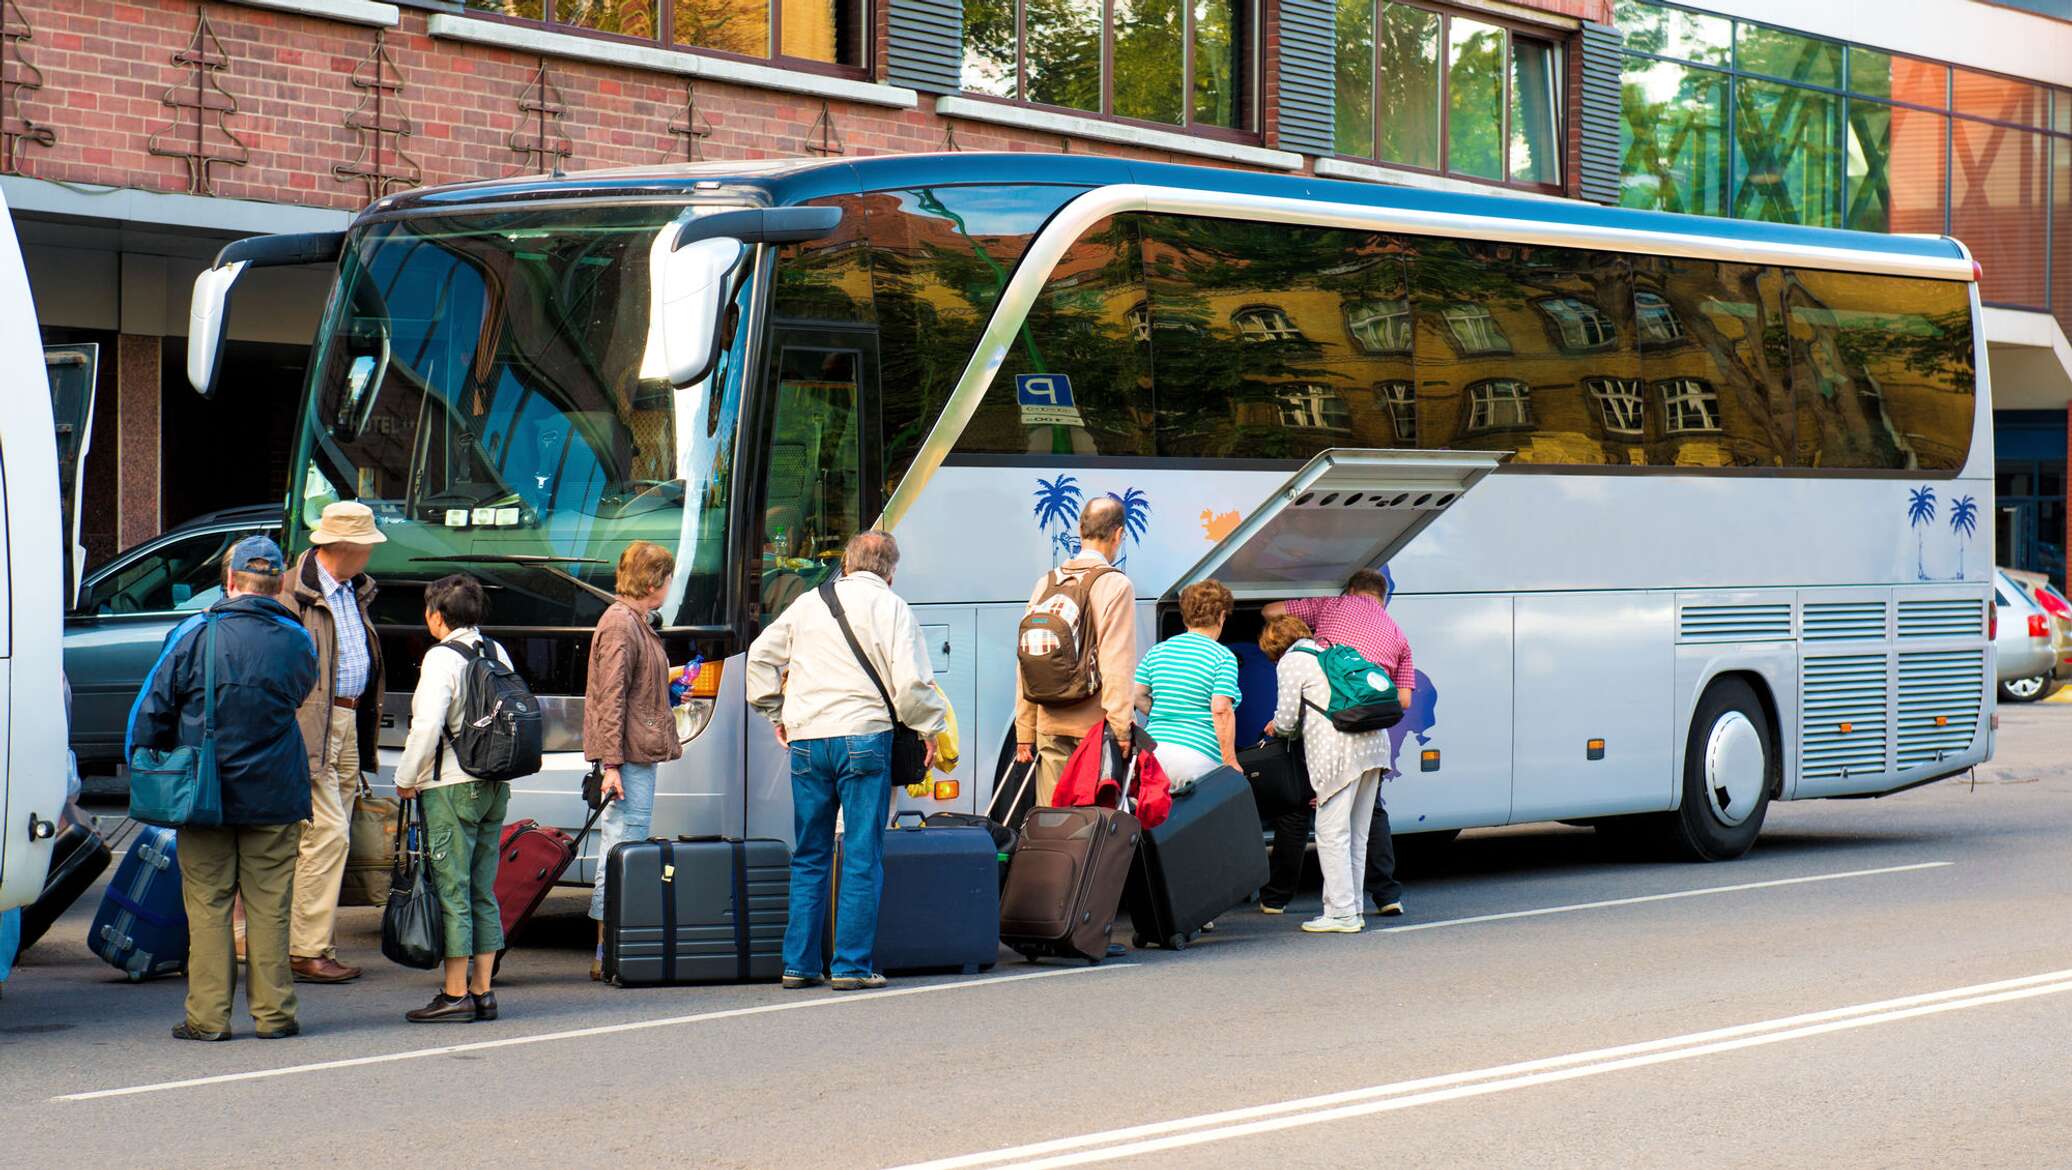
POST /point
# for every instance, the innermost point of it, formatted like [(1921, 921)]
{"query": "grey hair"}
[(871, 552), (1100, 519)]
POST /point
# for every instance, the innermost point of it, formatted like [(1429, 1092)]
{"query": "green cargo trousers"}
[(463, 824), (216, 865)]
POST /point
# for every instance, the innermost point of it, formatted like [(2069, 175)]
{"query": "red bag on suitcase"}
[(530, 859)]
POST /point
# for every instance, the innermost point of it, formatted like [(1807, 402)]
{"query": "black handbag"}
[(909, 750), (1278, 772), (413, 928)]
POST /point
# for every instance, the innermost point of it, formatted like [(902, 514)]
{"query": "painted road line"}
[(1672, 895), (791, 1005), (1347, 1097)]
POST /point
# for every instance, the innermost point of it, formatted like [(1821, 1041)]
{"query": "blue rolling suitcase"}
[(939, 909), (141, 927)]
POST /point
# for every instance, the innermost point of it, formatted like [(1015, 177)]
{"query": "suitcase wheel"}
[(1177, 942), (1138, 941)]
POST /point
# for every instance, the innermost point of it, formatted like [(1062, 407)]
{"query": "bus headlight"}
[(700, 697)]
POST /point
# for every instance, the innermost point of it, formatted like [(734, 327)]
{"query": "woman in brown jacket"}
[(627, 725)]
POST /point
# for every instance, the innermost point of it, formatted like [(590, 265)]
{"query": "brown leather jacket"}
[(626, 718), (305, 599)]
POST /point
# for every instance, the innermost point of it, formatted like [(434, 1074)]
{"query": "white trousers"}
[(1183, 765), (1342, 823)]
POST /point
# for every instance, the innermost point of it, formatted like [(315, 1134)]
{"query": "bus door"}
[(70, 370), (1348, 510)]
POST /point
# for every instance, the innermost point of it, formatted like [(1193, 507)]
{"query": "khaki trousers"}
[(1052, 752), (321, 867), (217, 865)]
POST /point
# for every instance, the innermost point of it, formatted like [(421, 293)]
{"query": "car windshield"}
[(488, 385)]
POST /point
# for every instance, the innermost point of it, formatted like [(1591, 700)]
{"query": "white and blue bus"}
[(1682, 515)]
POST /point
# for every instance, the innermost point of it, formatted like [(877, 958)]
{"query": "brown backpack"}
[(1054, 646)]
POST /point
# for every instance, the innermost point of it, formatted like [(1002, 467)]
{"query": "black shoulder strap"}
[(834, 606)]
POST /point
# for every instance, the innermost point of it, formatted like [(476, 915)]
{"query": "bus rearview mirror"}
[(690, 300), (206, 316)]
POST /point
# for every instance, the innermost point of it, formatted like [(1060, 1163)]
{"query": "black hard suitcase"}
[(939, 905), (695, 910), (78, 858), (1206, 857)]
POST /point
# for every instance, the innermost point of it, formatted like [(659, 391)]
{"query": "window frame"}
[(1561, 48), (1305, 395), (1660, 309), (1609, 392), (1481, 400), (1584, 317), (1455, 312), (665, 37), (1684, 393), (1399, 397), (1251, 48), (1359, 314), (1287, 330)]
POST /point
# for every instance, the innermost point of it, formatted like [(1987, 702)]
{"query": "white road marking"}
[(1147, 1138), (1698, 893), (821, 1001)]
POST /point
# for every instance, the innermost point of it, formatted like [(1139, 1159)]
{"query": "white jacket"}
[(436, 707), (803, 677)]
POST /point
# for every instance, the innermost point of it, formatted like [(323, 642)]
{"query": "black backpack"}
[(500, 724)]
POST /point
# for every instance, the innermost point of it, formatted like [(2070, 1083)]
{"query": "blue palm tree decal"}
[(1057, 510), (1136, 516), (1963, 522), (1920, 511)]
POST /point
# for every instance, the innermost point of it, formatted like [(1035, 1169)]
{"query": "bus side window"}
[(1714, 355), (1880, 370), (813, 489)]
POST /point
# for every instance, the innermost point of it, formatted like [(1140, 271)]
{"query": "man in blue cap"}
[(265, 667)]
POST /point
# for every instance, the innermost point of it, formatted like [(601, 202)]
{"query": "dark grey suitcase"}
[(1205, 858), (695, 910)]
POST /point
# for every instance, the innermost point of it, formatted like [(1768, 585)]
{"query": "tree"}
[(1057, 510), (1920, 512), (1963, 522)]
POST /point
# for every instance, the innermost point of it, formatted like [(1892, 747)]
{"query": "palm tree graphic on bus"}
[(1920, 514), (1963, 522), (1057, 514)]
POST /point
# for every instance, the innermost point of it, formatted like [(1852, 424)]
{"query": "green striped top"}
[(1185, 673)]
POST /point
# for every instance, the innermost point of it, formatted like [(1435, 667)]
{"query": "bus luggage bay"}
[(1681, 514)]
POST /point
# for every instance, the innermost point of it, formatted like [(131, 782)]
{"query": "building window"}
[(828, 32), (1139, 318), (1379, 327), (1313, 407), (1689, 407), (1658, 323), (1475, 331), (1499, 404), (1162, 61), (1401, 399), (1620, 403), (1582, 325), (1417, 87), (1264, 323)]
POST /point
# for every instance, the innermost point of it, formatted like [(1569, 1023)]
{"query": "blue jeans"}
[(853, 772), (625, 819)]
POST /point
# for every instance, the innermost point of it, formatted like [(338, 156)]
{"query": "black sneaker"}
[(444, 1009), (186, 1031)]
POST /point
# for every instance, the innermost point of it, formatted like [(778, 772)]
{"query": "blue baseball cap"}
[(256, 554)]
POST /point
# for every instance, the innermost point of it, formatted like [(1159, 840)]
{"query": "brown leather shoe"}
[(323, 969)]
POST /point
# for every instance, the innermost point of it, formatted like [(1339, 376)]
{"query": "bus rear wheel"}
[(1731, 769)]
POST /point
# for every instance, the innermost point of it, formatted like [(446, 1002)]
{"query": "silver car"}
[(2023, 640), (127, 607)]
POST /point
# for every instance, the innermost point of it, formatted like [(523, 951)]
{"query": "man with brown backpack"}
[(1076, 650)]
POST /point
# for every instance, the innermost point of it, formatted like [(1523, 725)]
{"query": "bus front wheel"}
[(1731, 769)]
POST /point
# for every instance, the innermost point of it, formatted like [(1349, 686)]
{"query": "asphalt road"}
[(1881, 983)]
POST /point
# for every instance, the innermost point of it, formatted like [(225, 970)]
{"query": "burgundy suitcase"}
[(1064, 884), (530, 859)]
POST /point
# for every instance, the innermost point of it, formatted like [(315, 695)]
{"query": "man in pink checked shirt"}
[(1358, 618)]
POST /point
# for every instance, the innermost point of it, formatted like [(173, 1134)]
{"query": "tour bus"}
[(33, 551), (1682, 515)]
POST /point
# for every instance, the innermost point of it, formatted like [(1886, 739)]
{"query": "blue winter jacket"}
[(265, 666)]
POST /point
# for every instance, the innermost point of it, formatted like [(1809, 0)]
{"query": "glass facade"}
[(1726, 117), (1171, 62), (831, 32)]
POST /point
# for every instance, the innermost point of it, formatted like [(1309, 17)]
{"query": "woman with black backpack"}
[(463, 815)]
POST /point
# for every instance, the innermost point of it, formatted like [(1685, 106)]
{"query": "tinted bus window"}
[(1881, 370), (1713, 356)]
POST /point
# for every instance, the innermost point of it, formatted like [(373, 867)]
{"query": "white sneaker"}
[(1329, 925)]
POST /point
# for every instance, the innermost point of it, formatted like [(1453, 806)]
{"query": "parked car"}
[(126, 608), (2022, 642), (2053, 603)]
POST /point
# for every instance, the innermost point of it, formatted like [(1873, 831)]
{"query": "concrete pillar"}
[(139, 391)]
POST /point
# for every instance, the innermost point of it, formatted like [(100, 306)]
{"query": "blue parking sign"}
[(1046, 400)]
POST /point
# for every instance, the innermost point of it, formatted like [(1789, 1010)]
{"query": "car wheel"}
[(1731, 768), (2026, 690)]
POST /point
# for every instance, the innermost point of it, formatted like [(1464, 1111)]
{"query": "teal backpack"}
[(1363, 697)]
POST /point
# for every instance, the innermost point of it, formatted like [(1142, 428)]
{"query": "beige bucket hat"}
[(346, 523)]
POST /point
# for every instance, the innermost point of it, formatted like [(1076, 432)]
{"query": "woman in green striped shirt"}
[(1187, 688)]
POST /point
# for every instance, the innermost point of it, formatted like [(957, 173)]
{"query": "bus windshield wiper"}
[(550, 565)]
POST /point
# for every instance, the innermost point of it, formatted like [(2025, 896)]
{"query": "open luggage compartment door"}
[(1347, 509)]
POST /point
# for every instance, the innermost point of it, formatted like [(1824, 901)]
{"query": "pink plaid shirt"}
[(1362, 623)]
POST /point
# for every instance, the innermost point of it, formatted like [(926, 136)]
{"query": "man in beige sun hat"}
[(330, 592)]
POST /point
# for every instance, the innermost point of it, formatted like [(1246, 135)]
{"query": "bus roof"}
[(778, 182)]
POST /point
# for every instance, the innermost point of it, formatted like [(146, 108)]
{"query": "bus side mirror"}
[(690, 302), (206, 317)]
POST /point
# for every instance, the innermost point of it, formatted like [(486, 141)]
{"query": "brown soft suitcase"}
[(1064, 885)]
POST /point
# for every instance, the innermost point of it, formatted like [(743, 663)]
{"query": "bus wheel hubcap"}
[(1734, 767)]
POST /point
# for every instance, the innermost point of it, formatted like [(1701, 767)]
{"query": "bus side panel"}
[(1776, 664), (1461, 708), (1592, 666), (947, 633), (992, 695)]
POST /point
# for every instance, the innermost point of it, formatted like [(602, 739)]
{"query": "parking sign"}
[(1046, 400)]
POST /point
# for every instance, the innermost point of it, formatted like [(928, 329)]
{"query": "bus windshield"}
[(488, 385)]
